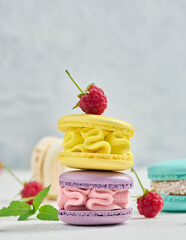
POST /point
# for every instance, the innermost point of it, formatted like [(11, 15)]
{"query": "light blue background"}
[(135, 50)]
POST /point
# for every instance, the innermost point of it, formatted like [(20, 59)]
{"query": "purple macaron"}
[(94, 197)]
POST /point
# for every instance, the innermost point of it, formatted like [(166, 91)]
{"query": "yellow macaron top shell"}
[(67, 122)]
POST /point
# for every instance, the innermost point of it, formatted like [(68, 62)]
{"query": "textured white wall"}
[(135, 50)]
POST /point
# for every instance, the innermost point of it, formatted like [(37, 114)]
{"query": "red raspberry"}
[(93, 102), (150, 204), (31, 189)]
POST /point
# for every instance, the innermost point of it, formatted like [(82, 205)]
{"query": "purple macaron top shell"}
[(96, 180)]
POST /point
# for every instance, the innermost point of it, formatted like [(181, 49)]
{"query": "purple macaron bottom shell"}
[(95, 217)]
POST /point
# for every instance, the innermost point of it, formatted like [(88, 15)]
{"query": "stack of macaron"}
[(99, 146)]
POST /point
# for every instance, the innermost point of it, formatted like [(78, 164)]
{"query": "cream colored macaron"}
[(44, 163)]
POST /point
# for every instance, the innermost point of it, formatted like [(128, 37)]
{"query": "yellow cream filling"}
[(95, 140)]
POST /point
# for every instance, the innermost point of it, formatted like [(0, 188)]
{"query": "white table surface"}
[(165, 226)]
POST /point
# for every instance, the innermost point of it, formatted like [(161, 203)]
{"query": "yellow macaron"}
[(96, 142)]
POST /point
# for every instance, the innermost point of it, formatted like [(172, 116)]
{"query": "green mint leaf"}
[(15, 208), (26, 215), (40, 197), (48, 212)]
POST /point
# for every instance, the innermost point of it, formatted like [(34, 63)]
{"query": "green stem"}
[(31, 198), (132, 169), (13, 175), (74, 81), (52, 196), (26, 199)]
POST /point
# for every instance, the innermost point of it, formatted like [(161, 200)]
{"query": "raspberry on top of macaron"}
[(93, 100)]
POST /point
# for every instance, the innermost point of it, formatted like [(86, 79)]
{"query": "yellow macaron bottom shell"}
[(95, 140), (97, 161)]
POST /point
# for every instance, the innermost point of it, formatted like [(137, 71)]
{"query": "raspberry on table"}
[(31, 189), (150, 204)]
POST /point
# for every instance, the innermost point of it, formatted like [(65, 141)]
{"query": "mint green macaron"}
[(169, 179)]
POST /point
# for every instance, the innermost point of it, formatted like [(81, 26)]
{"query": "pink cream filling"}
[(92, 199)]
